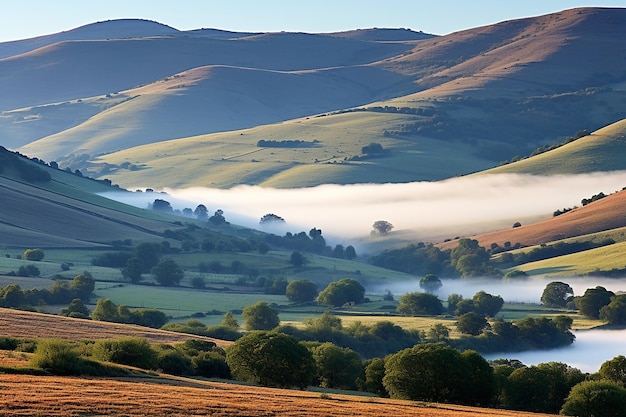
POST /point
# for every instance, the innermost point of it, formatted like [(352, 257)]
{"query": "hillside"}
[(487, 93), (602, 150), (24, 395), (605, 214), (66, 212)]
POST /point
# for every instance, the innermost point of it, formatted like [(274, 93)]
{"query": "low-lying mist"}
[(425, 211), (513, 291)]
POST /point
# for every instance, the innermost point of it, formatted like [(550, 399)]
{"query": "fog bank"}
[(430, 210)]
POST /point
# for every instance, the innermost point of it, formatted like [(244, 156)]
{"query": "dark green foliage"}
[(615, 311), (271, 218), (614, 370), (557, 294), (595, 398), (26, 170), (593, 198), (593, 300), (381, 227), (260, 316), (132, 270), (28, 271), (218, 219), (338, 293), (83, 285), (106, 310), (197, 327), (420, 304), (349, 253), (436, 372), (162, 205), (33, 255), (11, 296), (211, 364), (373, 149), (112, 259), (167, 273), (173, 362), (201, 212), (301, 291), (130, 351), (374, 374), (149, 253), (337, 367), (540, 388), (558, 249), (76, 309), (297, 259), (418, 259), (57, 356), (430, 283), (271, 359), (230, 321), (487, 304), (471, 323)]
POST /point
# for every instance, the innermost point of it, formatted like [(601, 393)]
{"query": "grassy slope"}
[(230, 158), (603, 150)]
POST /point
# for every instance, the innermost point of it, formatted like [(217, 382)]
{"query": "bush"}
[(57, 356), (130, 351), (33, 255)]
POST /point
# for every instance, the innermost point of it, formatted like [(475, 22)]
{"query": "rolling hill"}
[(488, 94)]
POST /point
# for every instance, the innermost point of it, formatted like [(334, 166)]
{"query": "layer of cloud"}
[(429, 210)]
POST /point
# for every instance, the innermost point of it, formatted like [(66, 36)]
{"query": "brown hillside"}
[(26, 324), (537, 55), (605, 214), (22, 395)]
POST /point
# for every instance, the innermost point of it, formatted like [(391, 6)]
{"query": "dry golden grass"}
[(605, 214), (23, 395), (25, 324), (11, 359)]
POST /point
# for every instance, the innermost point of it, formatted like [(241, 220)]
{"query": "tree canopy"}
[(430, 283), (340, 292), (260, 316), (271, 359), (301, 291), (420, 304), (557, 294)]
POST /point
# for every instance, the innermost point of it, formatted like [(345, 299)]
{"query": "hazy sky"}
[(29, 18)]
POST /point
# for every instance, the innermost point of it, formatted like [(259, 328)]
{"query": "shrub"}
[(130, 351), (57, 356)]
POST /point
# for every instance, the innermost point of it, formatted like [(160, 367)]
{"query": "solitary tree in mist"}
[(557, 294), (381, 227), (430, 283)]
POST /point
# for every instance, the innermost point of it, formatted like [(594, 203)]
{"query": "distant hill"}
[(440, 106)]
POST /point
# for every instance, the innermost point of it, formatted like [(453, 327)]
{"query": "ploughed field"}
[(25, 324), (24, 395)]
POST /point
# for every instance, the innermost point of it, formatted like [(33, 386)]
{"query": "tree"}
[(338, 293), (83, 285), (420, 304), (614, 370), (541, 388), (168, 273), (339, 252), (593, 300), (595, 398), (337, 367), (76, 309), (201, 212), (349, 253), (471, 323), (433, 372), (487, 304), (230, 321), (297, 259), (438, 332), (33, 255), (271, 359), (28, 271), (260, 316), (149, 253), (430, 283), (557, 294), (105, 310), (327, 322), (615, 311), (373, 148), (374, 373), (271, 218), (301, 291), (11, 296), (381, 227), (218, 218), (132, 351), (133, 269), (162, 205)]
